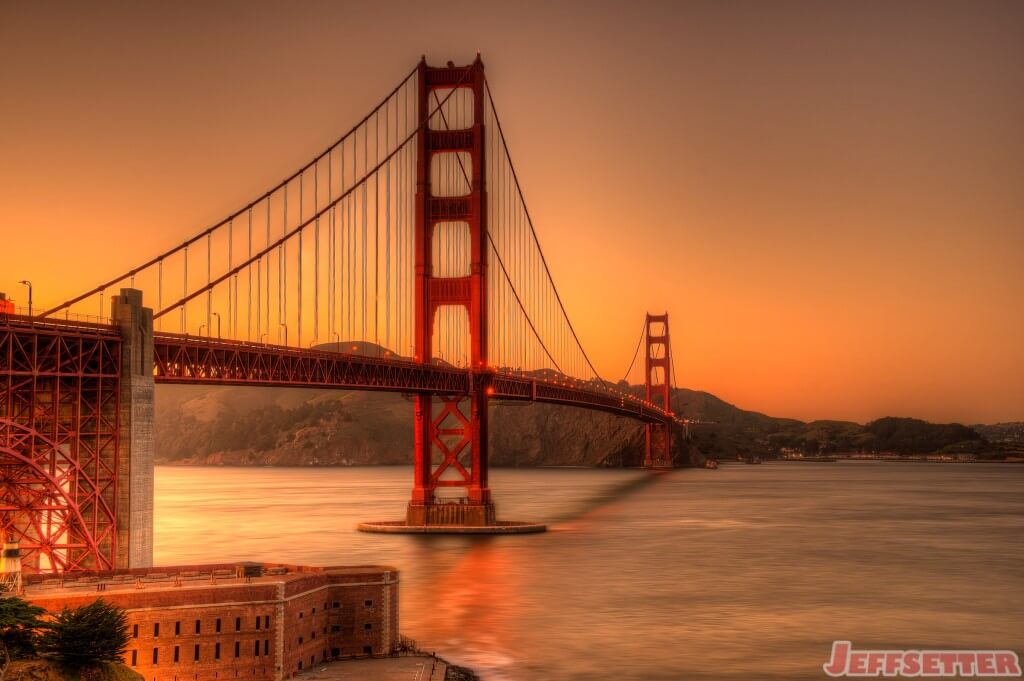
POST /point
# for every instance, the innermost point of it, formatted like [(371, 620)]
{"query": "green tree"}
[(19, 628), (97, 632)]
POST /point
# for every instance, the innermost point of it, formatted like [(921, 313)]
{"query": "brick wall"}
[(265, 630)]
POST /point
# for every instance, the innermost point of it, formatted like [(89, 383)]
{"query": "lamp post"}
[(217, 315), (26, 282), (285, 326)]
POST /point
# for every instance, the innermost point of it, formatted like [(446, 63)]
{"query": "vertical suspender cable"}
[(248, 288), (160, 290), (298, 302), (316, 253), (209, 292)]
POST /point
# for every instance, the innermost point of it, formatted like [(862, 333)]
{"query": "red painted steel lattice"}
[(59, 442)]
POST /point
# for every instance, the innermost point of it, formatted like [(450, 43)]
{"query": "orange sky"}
[(826, 197)]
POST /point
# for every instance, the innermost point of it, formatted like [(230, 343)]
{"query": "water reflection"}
[(744, 572)]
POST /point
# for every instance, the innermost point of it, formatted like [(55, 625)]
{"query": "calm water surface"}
[(747, 572)]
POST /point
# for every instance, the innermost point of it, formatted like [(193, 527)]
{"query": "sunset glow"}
[(828, 201)]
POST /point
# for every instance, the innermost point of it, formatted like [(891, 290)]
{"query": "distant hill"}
[(1012, 432), (288, 426)]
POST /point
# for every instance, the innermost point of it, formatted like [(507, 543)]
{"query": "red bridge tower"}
[(451, 444), (657, 369)]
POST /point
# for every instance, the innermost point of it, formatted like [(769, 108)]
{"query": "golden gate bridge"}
[(402, 258)]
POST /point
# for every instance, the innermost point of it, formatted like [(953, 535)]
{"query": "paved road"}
[(412, 668)]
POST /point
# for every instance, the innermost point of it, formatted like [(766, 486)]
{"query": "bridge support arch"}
[(76, 439)]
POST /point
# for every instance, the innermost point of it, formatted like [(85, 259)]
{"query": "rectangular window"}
[(368, 650), (217, 625), (368, 604), (177, 628), (238, 624), (337, 604), (195, 653), (266, 621), (367, 626), (257, 622), (177, 653), (199, 625), (256, 649), (238, 648), (266, 646), (156, 655), (335, 627), (156, 629), (135, 631), (216, 651), (135, 657), (314, 611)]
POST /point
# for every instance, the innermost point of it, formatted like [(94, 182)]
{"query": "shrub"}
[(19, 626), (96, 632)]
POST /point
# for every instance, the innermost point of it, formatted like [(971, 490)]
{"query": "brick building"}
[(248, 621)]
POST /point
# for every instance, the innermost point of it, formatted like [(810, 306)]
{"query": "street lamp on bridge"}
[(26, 282)]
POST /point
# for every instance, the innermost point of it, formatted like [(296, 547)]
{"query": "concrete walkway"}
[(411, 668)]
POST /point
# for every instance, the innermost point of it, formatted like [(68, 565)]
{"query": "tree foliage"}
[(96, 632), (914, 436), (19, 624)]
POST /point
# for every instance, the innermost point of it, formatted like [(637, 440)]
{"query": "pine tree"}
[(96, 632), (19, 627)]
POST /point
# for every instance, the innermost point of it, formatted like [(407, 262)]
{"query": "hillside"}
[(298, 427)]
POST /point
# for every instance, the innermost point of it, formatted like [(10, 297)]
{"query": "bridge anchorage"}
[(401, 259)]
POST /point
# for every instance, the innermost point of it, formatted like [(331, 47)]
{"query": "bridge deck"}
[(191, 359), (199, 360)]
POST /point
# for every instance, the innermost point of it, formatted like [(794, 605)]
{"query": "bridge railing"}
[(85, 323)]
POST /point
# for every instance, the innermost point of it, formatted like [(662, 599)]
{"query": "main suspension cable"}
[(533, 231), (209, 230)]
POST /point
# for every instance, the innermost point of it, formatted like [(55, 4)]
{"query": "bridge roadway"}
[(185, 359), (190, 359)]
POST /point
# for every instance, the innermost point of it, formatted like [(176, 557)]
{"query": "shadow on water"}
[(577, 511), (607, 496)]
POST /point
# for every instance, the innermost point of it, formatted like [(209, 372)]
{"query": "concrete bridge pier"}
[(135, 464)]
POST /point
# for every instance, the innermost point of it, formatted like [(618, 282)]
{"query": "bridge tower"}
[(450, 444), (657, 369)]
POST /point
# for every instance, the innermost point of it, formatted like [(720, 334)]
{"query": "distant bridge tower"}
[(657, 369), (451, 444)]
